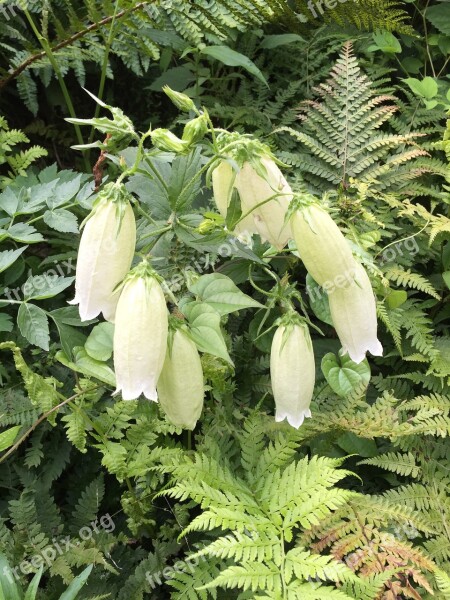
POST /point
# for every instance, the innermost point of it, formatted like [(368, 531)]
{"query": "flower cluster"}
[(144, 362), (267, 207)]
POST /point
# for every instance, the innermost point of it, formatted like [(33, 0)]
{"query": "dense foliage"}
[(205, 494)]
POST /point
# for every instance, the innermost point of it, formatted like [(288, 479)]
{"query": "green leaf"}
[(205, 329), (8, 437), (6, 323), (99, 344), (222, 294), (353, 444), (232, 58), (33, 325), (22, 232), (343, 375), (75, 586), (446, 278), (396, 298), (69, 337), (427, 88), (40, 287), (234, 212), (9, 590), (318, 300), (8, 257), (90, 367), (34, 585), (439, 16), (61, 220), (386, 42), (273, 41)]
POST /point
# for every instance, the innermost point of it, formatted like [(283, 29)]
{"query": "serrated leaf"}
[(40, 287), (8, 257), (33, 325), (6, 322), (62, 220), (8, 437), (22, 232)]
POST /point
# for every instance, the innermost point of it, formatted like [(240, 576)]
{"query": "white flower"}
[(105, 254), (140, 335), (323, 249), (223, 178), (292, 372), (354, 315), (255, 189), (180, 385)]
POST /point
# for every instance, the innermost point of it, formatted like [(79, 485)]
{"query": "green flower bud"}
[(180, 100), (167, 141), (195, 130)]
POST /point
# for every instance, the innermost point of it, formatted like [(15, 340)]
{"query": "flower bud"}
[(266, 194), (223, 178), (323, 249), (195, 130), (292, 372), (354, 315), (180, 385), (140, 335), (167, 141), (105, 254), (181, 101)]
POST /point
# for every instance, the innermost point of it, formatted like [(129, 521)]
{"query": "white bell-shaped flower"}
[(323, 249), (105, 253), (354, 315), (180, 385), (140, 335), (292, 371)]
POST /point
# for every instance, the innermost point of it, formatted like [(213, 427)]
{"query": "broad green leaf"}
[(439, 16), (69, 315), (99, 344), (222, 294), (61, 220), (90, 367), (8, 437), (70, 337), (33, 325), (232, 58), (446, 278), (8, 257), (343, 375), (352, 444), (234, 211), (9, 201), (273, 41), (396, 298), (426, 88), (386, 42), (40, 287), (318, 300), (205, 329), (22, 232), (75, 586)]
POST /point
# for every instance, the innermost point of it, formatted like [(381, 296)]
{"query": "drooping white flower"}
[(223, 178), (140, 335), (266, 196), (105, 253), (354, 315), (180, 385), (292, 372), (323, 249)]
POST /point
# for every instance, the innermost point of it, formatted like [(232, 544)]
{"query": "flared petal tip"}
[(293, 420), (359, 354)]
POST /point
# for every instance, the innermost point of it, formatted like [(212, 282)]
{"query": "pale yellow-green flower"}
[(105, 253), (323, 249), (266, 196), (180, 385), (353, 311), (292, 371), (140, 335)]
